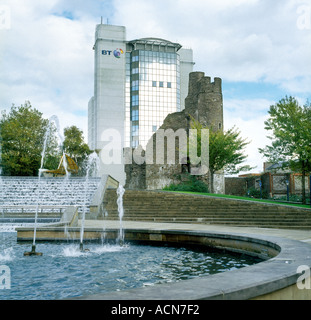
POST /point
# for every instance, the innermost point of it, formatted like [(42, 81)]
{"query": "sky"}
[(260, 49)]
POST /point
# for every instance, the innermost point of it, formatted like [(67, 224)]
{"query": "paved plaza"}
[(302, 235)]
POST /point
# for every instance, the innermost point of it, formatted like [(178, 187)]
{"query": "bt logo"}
[(117, 53), (106, 52)]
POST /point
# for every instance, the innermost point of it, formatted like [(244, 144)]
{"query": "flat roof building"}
[(137, 84)]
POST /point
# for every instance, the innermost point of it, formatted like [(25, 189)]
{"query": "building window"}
[(154, 83), (135, 115), (135, 100), (169, 84), (135, 85), (135, 131), (161, 84), (154, 128)]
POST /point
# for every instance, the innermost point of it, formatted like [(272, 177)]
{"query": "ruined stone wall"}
[(235, 186), (205, 104)]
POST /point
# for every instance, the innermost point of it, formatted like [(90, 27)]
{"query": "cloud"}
[(236, 40), (248, 116), (46, 55), (48, 61)]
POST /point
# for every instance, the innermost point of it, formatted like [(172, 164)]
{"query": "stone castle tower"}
[(203, 103)]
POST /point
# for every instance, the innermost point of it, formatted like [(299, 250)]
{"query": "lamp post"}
[(287, 189)]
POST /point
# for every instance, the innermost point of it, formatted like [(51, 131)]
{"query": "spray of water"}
[(92, 166), (6, 255), (120, 193), (46, 137)]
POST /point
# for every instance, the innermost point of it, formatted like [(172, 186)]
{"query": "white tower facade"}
[(136, 85)]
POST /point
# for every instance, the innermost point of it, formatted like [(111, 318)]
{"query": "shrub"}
[(193, 185), (255, 193)]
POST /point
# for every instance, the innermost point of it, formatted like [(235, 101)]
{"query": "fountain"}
[(154, 264), (41, 170), (120, 193), (92, 164)]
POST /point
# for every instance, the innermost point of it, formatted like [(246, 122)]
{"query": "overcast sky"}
[(260, 48)]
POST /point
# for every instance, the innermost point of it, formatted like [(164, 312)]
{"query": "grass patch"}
[(247, 198)]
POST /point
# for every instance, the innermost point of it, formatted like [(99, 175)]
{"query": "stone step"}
[(185, 208), (214, 220), (262, 224), (192, 210)]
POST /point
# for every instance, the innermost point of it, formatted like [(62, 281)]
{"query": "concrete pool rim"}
[(277, 273)]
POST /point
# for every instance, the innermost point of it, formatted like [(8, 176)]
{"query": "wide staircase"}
[(160, 206), (28, 191)]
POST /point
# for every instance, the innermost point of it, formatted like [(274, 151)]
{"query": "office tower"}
[(137, 84)]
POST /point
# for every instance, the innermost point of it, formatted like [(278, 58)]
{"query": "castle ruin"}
[(204, 103)]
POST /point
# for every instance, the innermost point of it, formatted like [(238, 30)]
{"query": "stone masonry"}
[(203, 103)]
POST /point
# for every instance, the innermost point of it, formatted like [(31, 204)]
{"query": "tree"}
[(226, 151), (75, 146), (22, 133), (290, 125)]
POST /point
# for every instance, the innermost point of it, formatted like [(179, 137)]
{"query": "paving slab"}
[(302, 235)]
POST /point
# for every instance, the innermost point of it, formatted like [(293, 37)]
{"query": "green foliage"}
[(193, 185), (226, 150), (75, 146), (290, 125), (22, 133), (255, 193), (292, 198)]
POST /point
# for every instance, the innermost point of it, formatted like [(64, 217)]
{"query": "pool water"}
[(64, 272)]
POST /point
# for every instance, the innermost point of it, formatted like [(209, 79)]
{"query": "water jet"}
[(41, 170), (91, 165), (33, 252)]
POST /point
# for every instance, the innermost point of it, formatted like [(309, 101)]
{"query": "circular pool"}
[(65, 272)]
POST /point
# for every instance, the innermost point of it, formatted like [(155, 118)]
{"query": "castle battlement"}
[(199, 83)]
